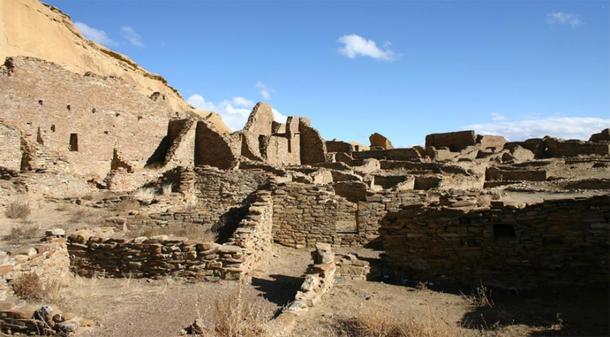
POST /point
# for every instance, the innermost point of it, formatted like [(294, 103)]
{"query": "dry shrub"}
[(234, 318), (167, 189), (480, 298), (29, 287), (20, 233), (376, 323), (145, 194), (18, 210)]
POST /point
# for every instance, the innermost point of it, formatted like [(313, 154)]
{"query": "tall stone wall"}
[(556, 242), (81, 119), (307, 214)]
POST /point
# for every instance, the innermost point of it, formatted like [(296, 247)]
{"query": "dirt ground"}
[(140, 307)]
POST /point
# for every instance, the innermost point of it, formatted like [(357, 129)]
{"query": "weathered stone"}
[(380, 142)]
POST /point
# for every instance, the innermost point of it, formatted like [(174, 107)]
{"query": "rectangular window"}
[(504, 232), (73, 142)]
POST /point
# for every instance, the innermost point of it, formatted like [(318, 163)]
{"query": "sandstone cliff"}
[(31, 28)]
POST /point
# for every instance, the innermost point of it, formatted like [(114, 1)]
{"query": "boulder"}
[(380, 142)]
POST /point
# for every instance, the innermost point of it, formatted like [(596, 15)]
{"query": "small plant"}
[(481, 297), (230, 317), (234, 318), (18, 210), (29, 287)]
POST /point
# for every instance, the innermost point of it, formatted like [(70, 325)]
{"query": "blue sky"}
[(401, 68)]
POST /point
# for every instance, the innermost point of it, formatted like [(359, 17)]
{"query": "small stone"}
[(56, 232)]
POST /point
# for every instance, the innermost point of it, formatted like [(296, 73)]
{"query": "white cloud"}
[(562, 18), (356, 45), (264, 90), (278, 116), (96, 35), (497, 116), (561, 127), (132, 36), (234, 111)]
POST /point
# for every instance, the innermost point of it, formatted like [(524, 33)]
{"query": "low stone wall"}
[(554, 243), (508, 174), (319, 279), (157, 220), (392, 154), (163, 256)]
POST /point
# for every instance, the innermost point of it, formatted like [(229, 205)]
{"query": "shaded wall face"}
[(554, 243), (212, 148)]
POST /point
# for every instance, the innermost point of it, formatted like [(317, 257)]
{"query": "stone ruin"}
[(463, 208), (440, 212)]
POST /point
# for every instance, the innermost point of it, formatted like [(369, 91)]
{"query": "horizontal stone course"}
[(163, 256)]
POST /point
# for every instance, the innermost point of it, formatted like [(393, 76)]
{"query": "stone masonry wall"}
[(556, 242), (220, 197), (163, 256), (307, 214)]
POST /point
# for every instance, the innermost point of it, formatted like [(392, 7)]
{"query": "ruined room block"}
[(573, 148), (455, 141)]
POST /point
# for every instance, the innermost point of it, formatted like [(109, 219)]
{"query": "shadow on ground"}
[(562, 312), (280, 290), (569, 311)]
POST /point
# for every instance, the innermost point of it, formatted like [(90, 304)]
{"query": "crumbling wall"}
[(162, 256), (551, 243), (224, 195), (572, 148)]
